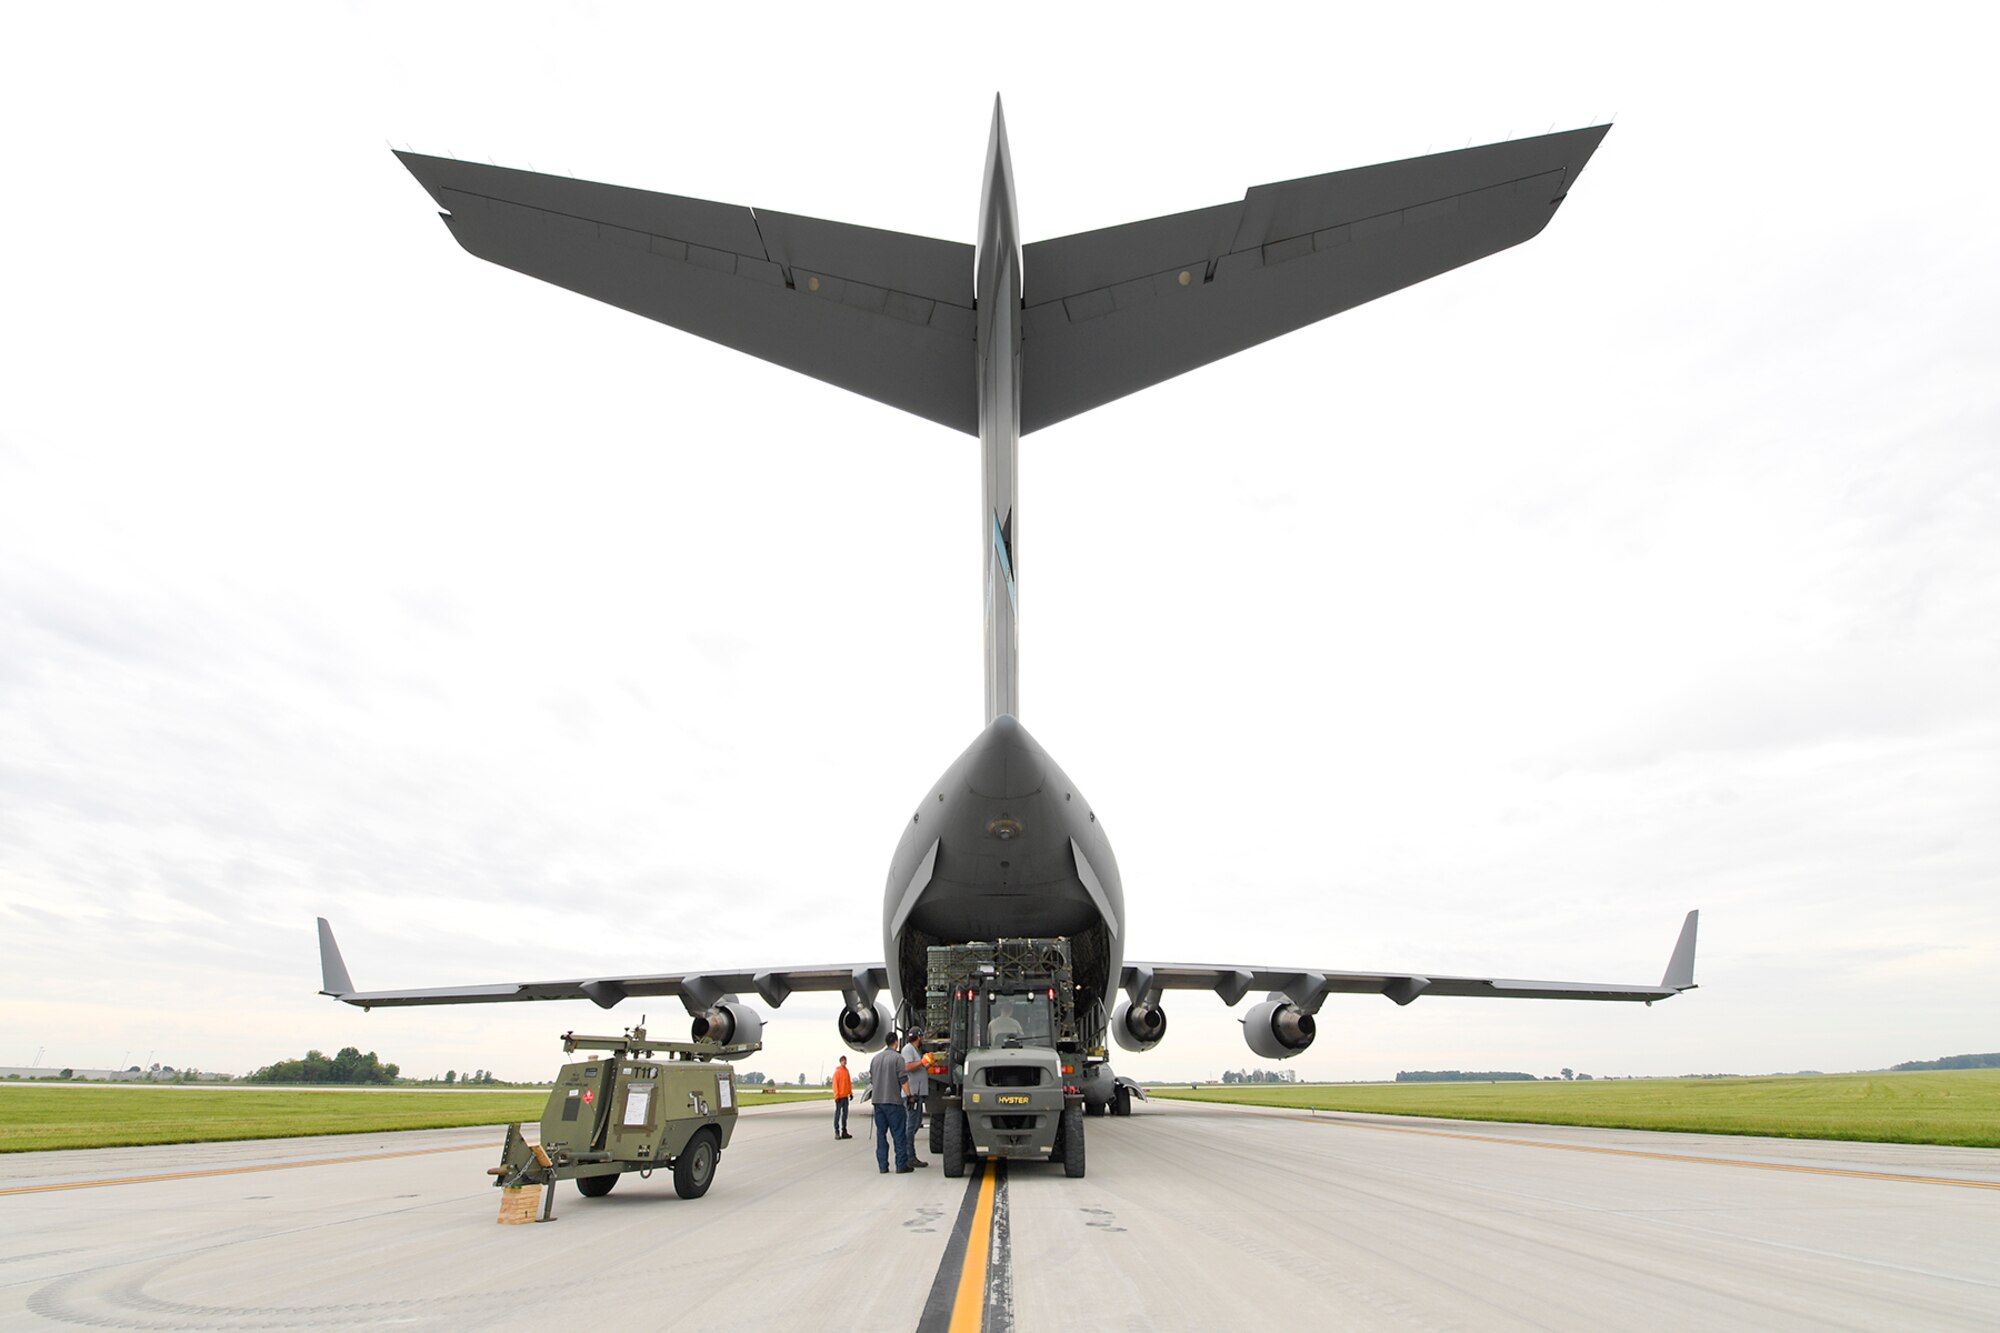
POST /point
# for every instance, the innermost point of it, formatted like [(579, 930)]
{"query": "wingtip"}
[(1680, 968), (333, 978)]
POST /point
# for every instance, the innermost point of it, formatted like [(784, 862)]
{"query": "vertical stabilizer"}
[(997, 288)]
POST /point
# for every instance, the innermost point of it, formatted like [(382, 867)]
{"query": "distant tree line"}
[(1990, 1060), (1462, 1076), (349, 1066)]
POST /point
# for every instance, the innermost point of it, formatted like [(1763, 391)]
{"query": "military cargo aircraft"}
[(998, 339)]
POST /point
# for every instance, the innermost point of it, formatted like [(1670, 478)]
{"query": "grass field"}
[(40, 1116), (1960, 1107)]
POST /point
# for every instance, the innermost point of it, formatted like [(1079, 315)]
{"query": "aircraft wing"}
[(1306, 987), (1110, 312), (883, 314), (859, 982)]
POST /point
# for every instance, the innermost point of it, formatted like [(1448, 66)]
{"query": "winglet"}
[(333, 978), (1680, 968)]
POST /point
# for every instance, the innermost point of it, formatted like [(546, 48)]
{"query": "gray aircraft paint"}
[(997, 340)]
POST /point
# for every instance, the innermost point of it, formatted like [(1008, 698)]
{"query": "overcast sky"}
[(1486, 629)]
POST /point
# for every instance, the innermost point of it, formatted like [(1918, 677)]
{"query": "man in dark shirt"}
[(886, 1093)]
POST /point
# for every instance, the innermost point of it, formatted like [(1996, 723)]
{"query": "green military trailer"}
[(627, 1111), (1005, 1052)]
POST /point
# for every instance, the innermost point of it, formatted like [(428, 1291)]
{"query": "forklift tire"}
[(694, 1169), (595, 1187), (1072, 1143), (951, 1145), (1121, 1101), (937, 1131)]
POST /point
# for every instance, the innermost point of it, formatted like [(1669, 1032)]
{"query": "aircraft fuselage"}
[(1003, 844)]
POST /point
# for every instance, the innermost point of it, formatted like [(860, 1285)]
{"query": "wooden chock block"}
[(521, 1204)]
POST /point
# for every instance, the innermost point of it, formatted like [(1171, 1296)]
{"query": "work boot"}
[(883, 1169), (904, 1170), (918, 1161)]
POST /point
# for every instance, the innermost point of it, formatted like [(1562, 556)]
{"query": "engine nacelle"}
[(1278, 1029), (863, 1029), (1138, 1027), (729, 1022)]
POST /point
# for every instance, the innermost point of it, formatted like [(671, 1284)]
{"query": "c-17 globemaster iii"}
[(998, 339)]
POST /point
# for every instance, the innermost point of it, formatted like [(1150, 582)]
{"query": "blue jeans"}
[(840, 1114), (889, 1126)]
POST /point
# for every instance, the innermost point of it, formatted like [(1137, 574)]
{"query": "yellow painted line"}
[(1656, 1156), (237, 1170), (968, 1308)]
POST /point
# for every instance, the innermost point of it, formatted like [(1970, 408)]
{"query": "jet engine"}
[(1278, 1029), (729, 1022), (862, 1029), (1138, 1027)]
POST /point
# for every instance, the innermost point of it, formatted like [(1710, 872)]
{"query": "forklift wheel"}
[(595, 1187), (1072, 1142), (953, 1149)]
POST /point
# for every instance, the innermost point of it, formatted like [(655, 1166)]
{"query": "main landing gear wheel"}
[(951, 1141), (694, 1169), (595, 1187), (1072, 1142)]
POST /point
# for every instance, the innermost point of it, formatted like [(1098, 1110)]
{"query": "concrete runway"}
[(1191, 1216)]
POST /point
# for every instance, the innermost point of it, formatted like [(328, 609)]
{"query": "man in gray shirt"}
[(887, 1088)]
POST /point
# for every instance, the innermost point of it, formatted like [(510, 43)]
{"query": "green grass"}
[(1956, 1107), (39, 1117)]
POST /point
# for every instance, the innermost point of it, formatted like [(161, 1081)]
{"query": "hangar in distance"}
[(997, 339)]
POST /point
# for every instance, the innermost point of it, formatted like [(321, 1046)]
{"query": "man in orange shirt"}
[(843, 1092)]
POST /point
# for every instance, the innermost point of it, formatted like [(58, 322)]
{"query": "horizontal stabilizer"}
[(1110, 312), (883, 314)]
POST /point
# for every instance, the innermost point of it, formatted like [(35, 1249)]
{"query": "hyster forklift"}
[(1005, 1057)]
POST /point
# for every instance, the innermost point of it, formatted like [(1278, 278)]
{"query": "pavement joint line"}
[(1656, 1156), (234, 1170)]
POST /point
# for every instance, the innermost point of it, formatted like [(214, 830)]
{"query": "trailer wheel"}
[(1121, 1101), (694, 1169), (951, 1146), (1072, 1142), (595, 1187)]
